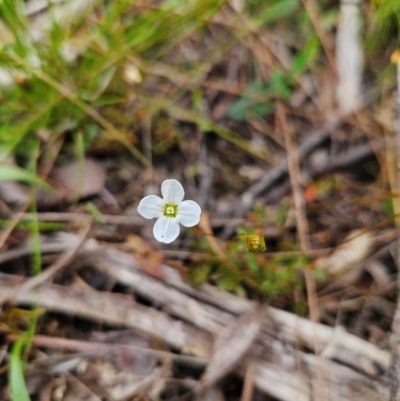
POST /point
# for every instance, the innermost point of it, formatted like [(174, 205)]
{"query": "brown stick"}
[(215, 309), (302, 230), (98, 348), (113, 309), (395, 338), (63, 261), (248, 386), (8, 230), (295, 179), (277, 373)]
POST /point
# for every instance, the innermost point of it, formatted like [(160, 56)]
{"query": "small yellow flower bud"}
[(254, 242)]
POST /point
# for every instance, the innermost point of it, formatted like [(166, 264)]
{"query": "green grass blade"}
[(18, 388), (12, 173)]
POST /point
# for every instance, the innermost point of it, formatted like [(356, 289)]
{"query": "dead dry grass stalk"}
[(303, 233), (13, 223), (395, 338), (65, 259)]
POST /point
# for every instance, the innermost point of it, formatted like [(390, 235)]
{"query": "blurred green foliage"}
[(86, 52), (258, 273), (85, 55)]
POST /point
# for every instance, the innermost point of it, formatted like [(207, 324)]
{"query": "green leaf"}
[(278, 85), (253, 264), (319, 274), (12, 173), (282, 214), (95, 213), (242, 108), (267, 287), (227, 282), (298, 262), (278, 10), (18, 388), (238, 109), (199, 275), (388, 206), (305, 57), (260, 109)]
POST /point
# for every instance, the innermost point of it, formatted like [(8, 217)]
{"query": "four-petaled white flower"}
[(170, 211)]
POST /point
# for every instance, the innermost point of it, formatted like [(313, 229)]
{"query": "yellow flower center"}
[(170, 210)]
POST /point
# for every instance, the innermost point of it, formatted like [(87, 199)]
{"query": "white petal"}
[(151, 206), (188, 213), (166, 229), (172, 191)]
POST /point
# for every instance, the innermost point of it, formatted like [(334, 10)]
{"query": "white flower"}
[(170, 211)]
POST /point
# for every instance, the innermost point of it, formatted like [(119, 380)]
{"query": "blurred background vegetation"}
[(96, 70), (140, 85), (142, 79)]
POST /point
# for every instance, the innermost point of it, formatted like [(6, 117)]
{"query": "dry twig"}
[(102, 349), (303, 230), (65, 259), (276, 373), (395, 339), (16, 219)]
